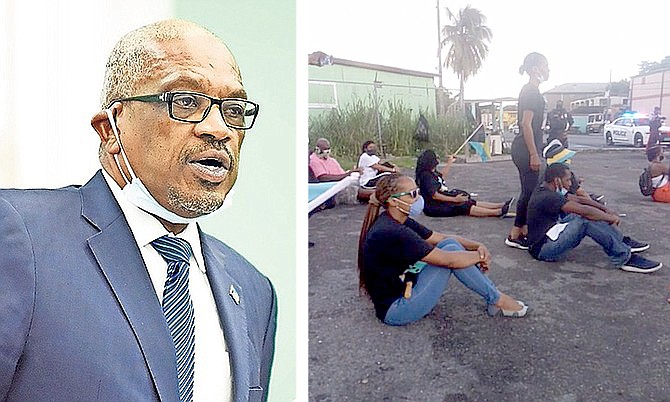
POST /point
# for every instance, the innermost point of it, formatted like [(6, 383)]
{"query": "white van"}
[(595, 123)]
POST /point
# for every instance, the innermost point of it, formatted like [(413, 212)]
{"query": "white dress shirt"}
[(212, 379)]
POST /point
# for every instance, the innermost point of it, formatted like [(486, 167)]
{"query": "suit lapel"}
[(121, 263), (233, 318)]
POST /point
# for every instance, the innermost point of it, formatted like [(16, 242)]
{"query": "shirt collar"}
[(146, 228)]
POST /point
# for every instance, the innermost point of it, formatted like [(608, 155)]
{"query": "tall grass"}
[(349, 126)]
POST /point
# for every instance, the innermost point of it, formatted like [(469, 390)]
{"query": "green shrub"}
[(349, 126)]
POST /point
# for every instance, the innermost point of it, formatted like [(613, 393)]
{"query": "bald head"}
[(323, 144), (139, 53)]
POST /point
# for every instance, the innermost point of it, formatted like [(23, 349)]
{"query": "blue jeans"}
[(608, 236), (431, 283)]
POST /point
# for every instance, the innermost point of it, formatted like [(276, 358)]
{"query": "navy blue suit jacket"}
[(79, 318)]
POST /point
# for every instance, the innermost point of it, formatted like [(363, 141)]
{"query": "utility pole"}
[(378, 84), (609, 97), (660, 101), (439, 44)]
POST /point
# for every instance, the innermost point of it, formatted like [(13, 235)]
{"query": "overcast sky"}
[(583, 40)]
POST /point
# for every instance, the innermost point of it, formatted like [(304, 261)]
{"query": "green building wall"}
[(337, 85)]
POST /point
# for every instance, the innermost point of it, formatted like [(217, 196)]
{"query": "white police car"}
[(632, 129)]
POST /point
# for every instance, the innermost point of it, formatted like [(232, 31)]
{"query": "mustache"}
[(209, 144)]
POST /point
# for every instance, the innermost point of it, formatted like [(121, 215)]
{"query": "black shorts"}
[(372, 183)]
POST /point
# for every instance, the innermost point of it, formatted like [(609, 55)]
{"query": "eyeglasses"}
[(193, 107), (414, 193)]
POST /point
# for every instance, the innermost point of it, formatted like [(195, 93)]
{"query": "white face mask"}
[(136, 192)]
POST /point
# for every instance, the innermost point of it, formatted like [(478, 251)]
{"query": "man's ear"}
[(101, 124)]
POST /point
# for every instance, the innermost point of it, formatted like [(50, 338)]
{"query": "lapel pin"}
[(233, 294)]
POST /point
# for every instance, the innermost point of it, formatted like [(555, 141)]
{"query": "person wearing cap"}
[(556, 152), (660, 172), (324, 166), (655, 123), (558, 222), (560, 121)]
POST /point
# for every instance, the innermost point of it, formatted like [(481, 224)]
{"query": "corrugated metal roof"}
[(330, 60)]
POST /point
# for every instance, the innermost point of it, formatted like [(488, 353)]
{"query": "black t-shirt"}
[(430, 182), (544, 210), (531, 99), (655, 123), (558, 120), (390, 248)]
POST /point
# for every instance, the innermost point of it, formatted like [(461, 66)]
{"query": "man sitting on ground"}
[(373, 169), (558, 221), (557, 152), (324, 166), (327, 169)]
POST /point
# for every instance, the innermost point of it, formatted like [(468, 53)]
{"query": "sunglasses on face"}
[(414, 193)]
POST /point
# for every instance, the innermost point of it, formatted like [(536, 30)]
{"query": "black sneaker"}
[(521, 243), (504, 210), (635, 246), (641, 265)]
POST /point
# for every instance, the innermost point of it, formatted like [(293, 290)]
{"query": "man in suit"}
[(110, 290)]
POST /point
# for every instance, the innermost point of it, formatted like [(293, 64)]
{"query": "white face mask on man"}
[(137, 193)]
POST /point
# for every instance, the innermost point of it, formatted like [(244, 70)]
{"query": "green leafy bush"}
[(349, 126)]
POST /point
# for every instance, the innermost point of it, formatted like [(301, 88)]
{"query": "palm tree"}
[(468, 37)]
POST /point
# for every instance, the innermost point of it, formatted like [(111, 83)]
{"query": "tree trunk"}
[(462, 97)]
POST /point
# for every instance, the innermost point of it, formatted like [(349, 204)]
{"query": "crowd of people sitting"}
[(404, 267)]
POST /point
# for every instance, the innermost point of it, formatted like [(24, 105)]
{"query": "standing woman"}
[(526, 145), (405, 267)]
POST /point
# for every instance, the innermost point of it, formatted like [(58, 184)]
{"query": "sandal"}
[(494, 311)]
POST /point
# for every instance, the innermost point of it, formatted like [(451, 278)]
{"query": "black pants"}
[(528, 178)]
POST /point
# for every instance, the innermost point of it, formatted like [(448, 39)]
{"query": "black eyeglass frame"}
[(168, 96)]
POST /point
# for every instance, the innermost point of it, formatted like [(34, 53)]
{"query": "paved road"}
[(594, 333), (583, 141), (579, 142)]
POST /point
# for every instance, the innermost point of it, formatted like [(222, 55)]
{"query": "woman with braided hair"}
[(405, 267)]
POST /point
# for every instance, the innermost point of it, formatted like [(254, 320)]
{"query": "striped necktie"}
[(178, 308)]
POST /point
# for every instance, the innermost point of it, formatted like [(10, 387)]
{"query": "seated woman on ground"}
[(440, 201), (660, 173), (405, 267)]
